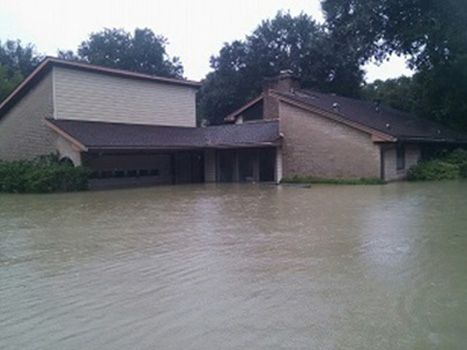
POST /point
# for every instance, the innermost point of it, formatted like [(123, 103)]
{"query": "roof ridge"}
[(123, 72)]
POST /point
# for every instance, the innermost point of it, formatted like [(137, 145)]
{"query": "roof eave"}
[(121, 73), (66, 136), (376, 135), (232, 116), (430, 140)]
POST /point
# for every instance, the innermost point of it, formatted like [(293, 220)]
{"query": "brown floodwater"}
[(236, 267)]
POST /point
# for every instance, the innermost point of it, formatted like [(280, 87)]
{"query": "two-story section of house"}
[(129, 128)]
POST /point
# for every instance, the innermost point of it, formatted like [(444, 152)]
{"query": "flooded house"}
[(132, 128)]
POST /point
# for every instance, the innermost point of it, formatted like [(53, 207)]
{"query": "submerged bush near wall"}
[(448, 167), (458, 157), (333, 181), (433, 170), (42, 175)]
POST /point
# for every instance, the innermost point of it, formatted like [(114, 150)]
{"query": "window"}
[(400, 157)]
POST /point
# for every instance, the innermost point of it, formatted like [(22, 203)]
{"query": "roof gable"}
[(375, 119), (49, 62), (233, 116)]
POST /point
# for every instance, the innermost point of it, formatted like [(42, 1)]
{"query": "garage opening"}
[(246, 165)]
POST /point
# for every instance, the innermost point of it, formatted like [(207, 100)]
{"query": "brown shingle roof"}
[(401, 125), (100, 135)]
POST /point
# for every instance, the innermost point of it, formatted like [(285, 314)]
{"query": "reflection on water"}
[(236, 267)]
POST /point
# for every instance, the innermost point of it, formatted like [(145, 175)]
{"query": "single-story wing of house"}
[(329, 136), (132, 128)]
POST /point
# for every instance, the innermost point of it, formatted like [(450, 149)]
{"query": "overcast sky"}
[(196, 29)]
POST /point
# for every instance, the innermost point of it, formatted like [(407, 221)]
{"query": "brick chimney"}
[(284, 82)]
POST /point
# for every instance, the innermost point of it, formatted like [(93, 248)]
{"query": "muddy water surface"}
[(236, 267)]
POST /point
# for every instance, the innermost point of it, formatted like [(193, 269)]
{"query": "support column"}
[(210, 165), (278, 172), (256, 167), (236, 174)]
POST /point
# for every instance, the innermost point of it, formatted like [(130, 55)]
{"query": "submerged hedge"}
[(333, 181), (42, 175), (447, 167)]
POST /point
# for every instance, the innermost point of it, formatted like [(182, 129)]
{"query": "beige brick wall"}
[(412, 156), (320, 147), (23, 134), (97, 97)]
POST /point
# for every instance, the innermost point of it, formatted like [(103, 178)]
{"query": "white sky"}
[(196, 29)]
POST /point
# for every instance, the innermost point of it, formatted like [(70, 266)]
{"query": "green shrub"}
[(433, 170), (458, 157), (448, 166), (333, 181), (42, 175)]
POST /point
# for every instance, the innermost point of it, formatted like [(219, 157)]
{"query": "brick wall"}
[(412, 156), (319, 147), (23, 134)]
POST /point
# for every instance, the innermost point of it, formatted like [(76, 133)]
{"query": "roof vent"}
[(286, 72), (336, 107), (388, 126), (438, 132)]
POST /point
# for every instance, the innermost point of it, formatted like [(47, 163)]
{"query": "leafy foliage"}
[(16, 62), (446, 167), (441, 93), (333, 181), (283, 43), (8, 81), (433, 34), (433, 170), (142, 52), (42, 175), (396, 93)]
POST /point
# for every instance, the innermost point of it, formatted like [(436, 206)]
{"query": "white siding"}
[(97, 97)]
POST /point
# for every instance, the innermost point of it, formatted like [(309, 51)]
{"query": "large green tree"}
[(16, 62), (397, 93), (433, 35), (284, 43), (142, 52)]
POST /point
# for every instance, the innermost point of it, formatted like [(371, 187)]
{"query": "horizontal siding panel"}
[(97, 97)]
